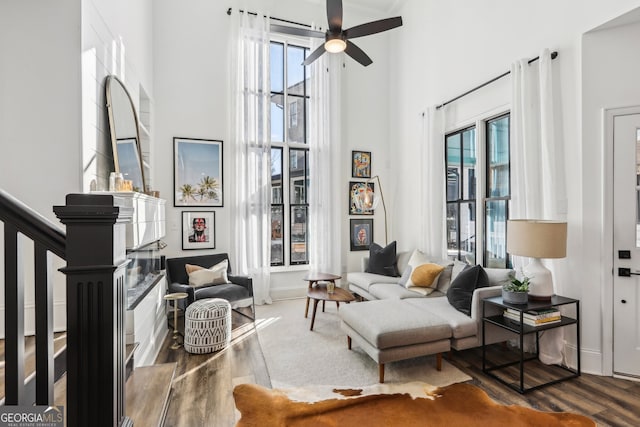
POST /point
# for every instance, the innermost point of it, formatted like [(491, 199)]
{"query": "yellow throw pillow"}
[(200, 276), (426, 275)]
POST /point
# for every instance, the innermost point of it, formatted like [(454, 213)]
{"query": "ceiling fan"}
[(337, 39)]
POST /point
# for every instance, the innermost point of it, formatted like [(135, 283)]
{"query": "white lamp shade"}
[(537, 238)]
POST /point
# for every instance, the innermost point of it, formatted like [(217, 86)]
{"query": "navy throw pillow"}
[(383, 260), (460, 293)]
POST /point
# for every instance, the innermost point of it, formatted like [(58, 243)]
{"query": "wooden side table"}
[(175, 297), (319, 293), (313, 278)]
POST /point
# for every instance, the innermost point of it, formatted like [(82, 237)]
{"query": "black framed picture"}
[(197, 173), (198, 230), (356, 190), (361, 232), (361, 164)]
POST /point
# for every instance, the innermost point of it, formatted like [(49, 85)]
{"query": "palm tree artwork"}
[(198, 172)]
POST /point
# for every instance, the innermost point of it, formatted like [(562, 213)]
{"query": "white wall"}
[(192, 100), (446, 48), (610, 65), (40, 120), (52, 117)]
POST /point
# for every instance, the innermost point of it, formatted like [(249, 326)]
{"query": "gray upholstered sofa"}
[(397, 323)]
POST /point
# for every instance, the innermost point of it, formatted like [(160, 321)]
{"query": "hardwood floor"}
[(203, 386)]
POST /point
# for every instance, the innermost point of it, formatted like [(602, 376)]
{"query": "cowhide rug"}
[(412, 404)]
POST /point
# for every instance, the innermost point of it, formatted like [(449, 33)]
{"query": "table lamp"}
[(537, 239)]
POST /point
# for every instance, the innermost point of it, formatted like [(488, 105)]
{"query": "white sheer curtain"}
[(538, 180), (251, 151), (324, 159), (433, 236)]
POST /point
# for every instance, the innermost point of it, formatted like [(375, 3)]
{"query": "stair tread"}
[(148, 389)]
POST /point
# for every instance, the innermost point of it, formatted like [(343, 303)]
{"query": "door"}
[(626, 237)]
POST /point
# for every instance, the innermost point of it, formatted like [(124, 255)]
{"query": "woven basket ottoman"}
[(207, 325)]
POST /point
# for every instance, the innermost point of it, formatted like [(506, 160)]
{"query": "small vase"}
[(515, 297)]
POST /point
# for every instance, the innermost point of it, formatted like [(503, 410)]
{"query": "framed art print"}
[(197, 174), (361, 234), (361, 164), (355, 191), (198, 230)]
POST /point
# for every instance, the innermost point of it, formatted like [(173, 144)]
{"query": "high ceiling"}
[(376, 6)]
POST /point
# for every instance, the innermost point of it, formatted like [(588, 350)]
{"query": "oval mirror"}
[(125, 137)]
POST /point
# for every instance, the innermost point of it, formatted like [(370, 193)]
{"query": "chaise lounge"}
[(397, 323)]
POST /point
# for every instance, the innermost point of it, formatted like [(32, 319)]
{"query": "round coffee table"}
[(319, 293), (313, 278)]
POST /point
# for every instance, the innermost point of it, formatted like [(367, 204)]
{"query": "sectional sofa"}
[(394, 322)]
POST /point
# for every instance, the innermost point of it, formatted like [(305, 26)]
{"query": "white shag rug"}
[(298, 357)]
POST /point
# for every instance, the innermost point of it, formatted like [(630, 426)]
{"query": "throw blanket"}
[(419, 405)]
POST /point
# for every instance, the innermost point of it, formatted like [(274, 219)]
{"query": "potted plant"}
[(516, 291)]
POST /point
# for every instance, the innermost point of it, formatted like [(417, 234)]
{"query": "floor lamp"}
[(368, 200)]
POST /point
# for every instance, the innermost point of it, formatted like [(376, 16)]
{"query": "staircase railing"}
[(94, 249), (47, 238)]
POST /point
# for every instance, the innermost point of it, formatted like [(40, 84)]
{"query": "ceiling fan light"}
[(335, 45)]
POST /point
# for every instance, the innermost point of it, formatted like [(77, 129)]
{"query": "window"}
[(463, 164), (498, 193), (289, 155), (461, 190)]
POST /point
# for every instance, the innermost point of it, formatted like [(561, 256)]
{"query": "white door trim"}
[(606, 293)]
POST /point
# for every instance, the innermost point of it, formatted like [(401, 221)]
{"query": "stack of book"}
[(534, 317)]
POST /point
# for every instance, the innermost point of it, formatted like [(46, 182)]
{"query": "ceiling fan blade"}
[(373, 27), (334, 15), (296, 31), (358, 54), (314, 55)]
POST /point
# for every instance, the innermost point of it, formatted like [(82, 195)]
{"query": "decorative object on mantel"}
[(537, 239), (516, 291), (399, 404), (337, 39), (368, 200)]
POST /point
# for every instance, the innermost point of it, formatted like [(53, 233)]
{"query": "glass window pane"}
[(469, 164), (276, 61), (299, 243), (298, 176), (495, 254), (276, 176), (295, 70), (468, 232), (452, 230), (295, 120), (277, 237), (277, 118), (498, 157), (453, 167)]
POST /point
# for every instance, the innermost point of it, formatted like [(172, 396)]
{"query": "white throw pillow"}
[(216, 275), (417, 258)]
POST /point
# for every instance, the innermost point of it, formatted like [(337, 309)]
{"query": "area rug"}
[(297, 357), (413, 404)]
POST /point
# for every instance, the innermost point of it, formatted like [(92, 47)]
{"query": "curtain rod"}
[(272, 17), (554, 55)]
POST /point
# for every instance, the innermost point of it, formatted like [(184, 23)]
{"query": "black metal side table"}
[(523, 329)]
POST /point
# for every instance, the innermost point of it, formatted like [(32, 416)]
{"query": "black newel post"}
[(96, 304)]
